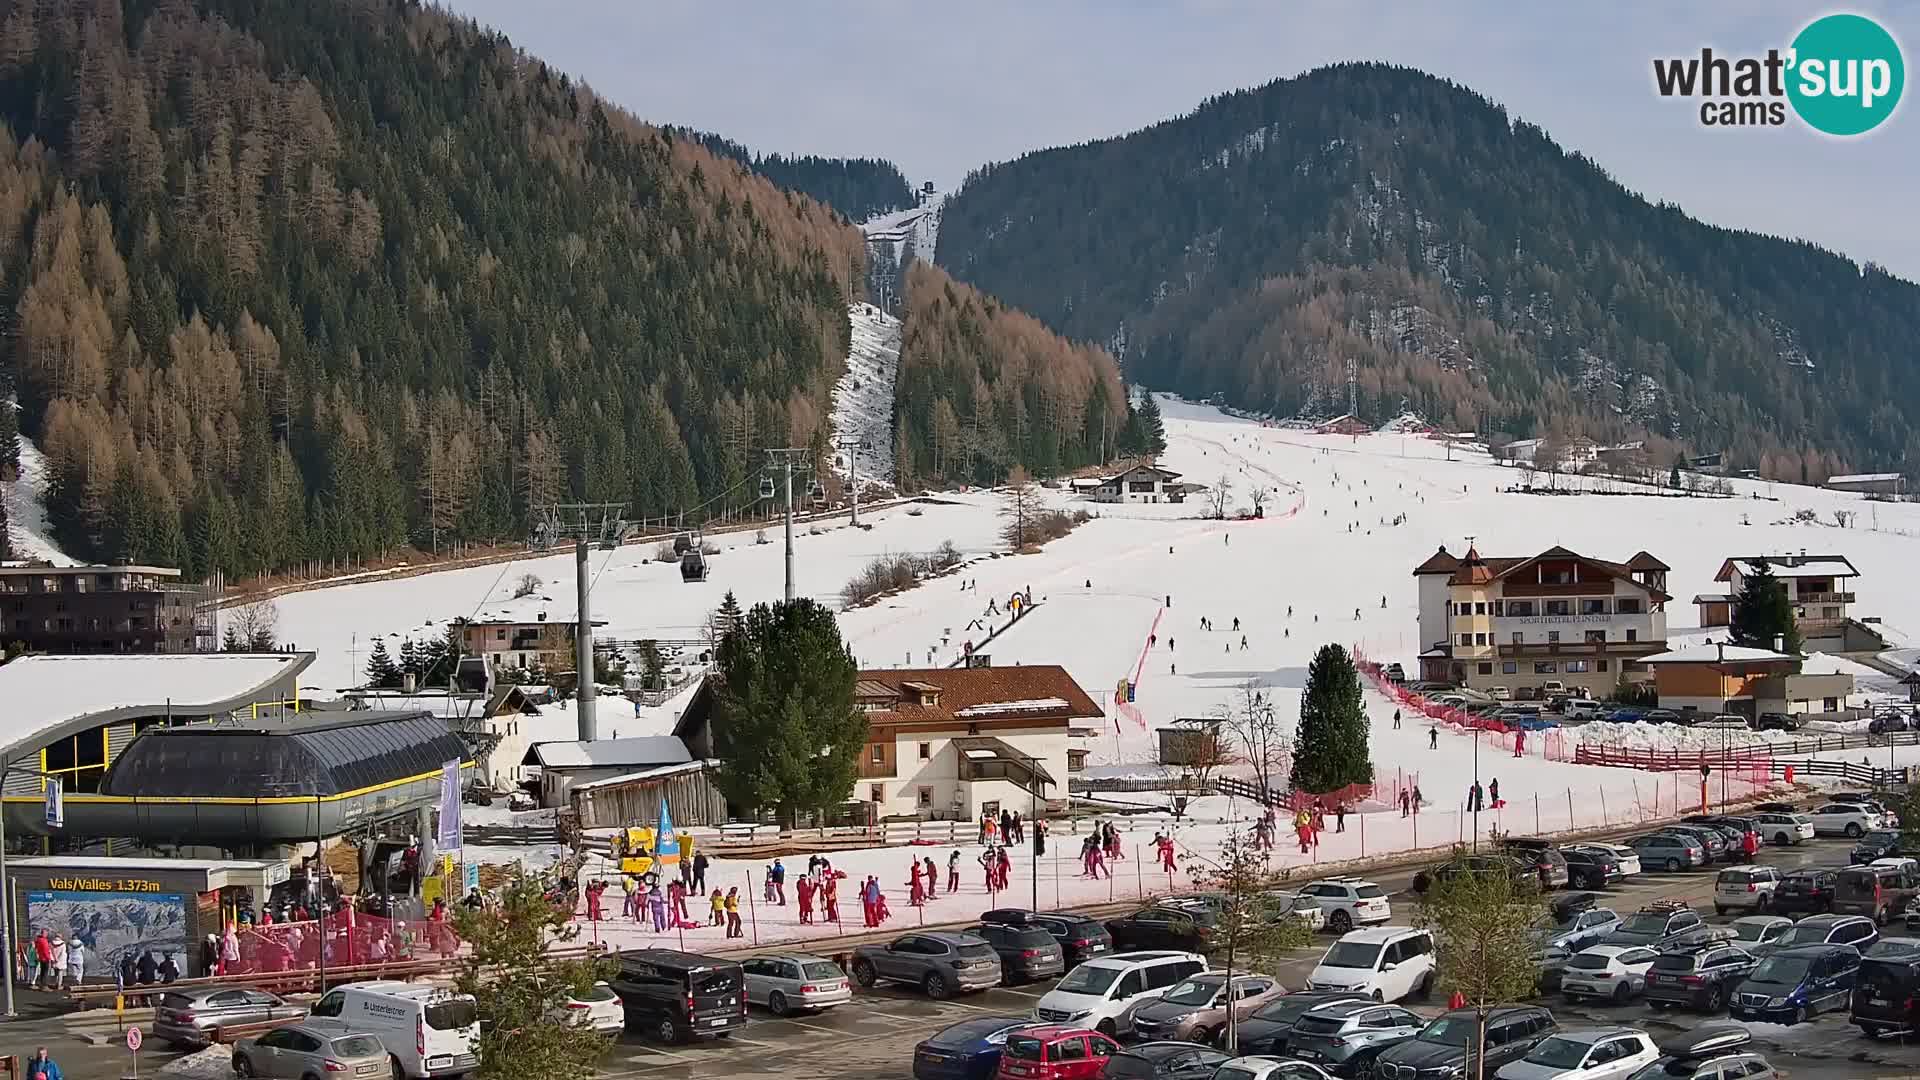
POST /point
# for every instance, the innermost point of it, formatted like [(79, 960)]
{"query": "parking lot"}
[(872, 1038)]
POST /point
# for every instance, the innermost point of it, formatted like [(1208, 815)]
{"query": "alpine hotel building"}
[(1523, 622)]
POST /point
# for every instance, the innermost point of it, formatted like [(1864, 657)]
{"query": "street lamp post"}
[(1476, 787)]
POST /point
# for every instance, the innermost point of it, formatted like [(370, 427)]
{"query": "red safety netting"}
[(353, 938)]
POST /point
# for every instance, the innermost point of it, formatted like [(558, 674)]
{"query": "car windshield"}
[(1285, 1009), (452, 1015), (976, 951), (1351, 954), (1369, 892), (596, 992), (1559, 1053), (1881, 838), (1751, 931), (822, 969), (1803, 935), (1449, 1031), (1786, 970), (722, 981), (1645, 924), (357, 1046), (1590, 962), (1193, 992), (1088, 979)]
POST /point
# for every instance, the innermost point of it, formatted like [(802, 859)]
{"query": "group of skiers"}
[(1099, 850)]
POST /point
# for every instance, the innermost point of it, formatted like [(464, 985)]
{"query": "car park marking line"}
[(897, 1016), (742, 1040), (1019, 993)]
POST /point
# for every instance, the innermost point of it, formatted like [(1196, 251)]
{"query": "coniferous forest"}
[(857, 187), (1469, 267)]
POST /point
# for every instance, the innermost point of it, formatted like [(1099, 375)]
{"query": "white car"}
[(599, 1008), (1898, 862), (1269, 1068), (1094, 994), (1583, 709), (1349, 902), (1386, 963), (1607, 972), (1585, 1054), (1748, 888), (1784, 829), (1851, 820), (1629, 858)]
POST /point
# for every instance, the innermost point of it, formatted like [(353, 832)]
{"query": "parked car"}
[(1886, 994), (784, 983), (1097, 992), (1665, 716), (1577, 927), (1805, 891), (1549, 967), (1347, 1039), (1196, 1009), (1055, 1053), (1026, 952), (1669, 852), (676, 996), (1185, 928), (1386, 963), (1163, 1061), (1540, 855), (1744, 888), (1698, 978), (188, 1017), (1878, 892), (309, 1049), (1625, 714), (940, 963), (1616, 973), (1445, 1046), (1776, 721), (1078, 937), (1499, 693), (1584, 1054), (1712, 840), (1270, 1068), (1590, 866), (426, 1030), (1855, 930), (1751, 931), (1792, 985), (1350, 902), (968, 1050), (1583, 709), (1270, 1029), (1887, 723), (1280, 904), (1629, 858), (1708, 1052), (1394, 673), (1879, 844), (1659, 925), (1849, 819), (1784, 829), (1513, 867), (599, 1008)]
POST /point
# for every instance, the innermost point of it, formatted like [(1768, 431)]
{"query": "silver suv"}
[(1347, 1037), (940, 963), (193, 1016)]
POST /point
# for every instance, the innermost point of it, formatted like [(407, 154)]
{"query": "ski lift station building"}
[(204, 751)]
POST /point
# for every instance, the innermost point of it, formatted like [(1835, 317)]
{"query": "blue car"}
[(1792, 985), (968, 1050)]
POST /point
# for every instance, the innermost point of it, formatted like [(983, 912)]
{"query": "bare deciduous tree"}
[(1221, 496), (1258, 495), (1257, 736), (251, 627), (1021, 509), (526, 586)]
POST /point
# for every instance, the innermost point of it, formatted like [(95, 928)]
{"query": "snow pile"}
[(211, 1063), (1675, 737), (26, 501), (1031, 705), (863, 398)]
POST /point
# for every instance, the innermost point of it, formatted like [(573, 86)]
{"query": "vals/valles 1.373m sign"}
[(1842, 75)]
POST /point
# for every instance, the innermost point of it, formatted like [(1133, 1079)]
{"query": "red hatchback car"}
[(1055, 1053)]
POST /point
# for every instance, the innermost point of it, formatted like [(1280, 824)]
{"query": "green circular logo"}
[(1847, 74)]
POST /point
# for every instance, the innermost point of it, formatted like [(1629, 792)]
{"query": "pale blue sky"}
[(941, 89)]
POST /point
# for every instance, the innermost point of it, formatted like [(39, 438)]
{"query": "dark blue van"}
[(1794, 984)]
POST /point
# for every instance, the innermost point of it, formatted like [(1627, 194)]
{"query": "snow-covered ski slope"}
[(27, 526), (919, 223), (863, 398), (1103, 590)]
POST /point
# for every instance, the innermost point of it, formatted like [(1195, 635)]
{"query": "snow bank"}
[(210, 1063)]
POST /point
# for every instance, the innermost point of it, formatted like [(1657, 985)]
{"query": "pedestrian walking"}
[(1417, 799), (779, 877), (1493, 792), (58, 962), (1039, 838), (733, 913), (1396, 719), (831, 888), (1340, 817), (1403, 802), (76, 961), (1433, 737), (719, 902), (953, 871), (700, 872)]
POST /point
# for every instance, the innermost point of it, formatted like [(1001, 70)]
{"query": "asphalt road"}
[(872, 1038)]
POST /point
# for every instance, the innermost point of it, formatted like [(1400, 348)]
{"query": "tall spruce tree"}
[(1153, 430), (382, 672), (785, 729), (1762, 612), (1330, 749)]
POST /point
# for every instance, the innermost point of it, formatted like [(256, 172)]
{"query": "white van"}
[(1386, 963), (427, 1032), (1094, 994)]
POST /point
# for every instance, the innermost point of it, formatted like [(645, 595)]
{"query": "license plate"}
[(933, 1057), (1876, 1001), (1098, 948), (367, 1069), (716, 1023), (439, 1062), (1306, 1055)]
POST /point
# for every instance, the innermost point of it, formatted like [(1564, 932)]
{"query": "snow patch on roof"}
[(43, 692), (1032, 705)]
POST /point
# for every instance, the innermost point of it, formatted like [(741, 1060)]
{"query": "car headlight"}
[(1081, 1015), (1775, 1003)]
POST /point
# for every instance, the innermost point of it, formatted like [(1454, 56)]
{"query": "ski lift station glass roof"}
[(206, 749)]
